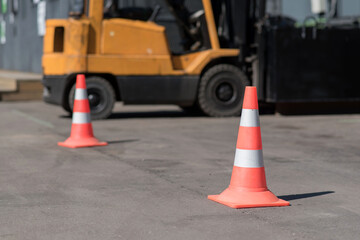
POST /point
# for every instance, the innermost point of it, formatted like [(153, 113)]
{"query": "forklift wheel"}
[(101, 97), (221, 91)]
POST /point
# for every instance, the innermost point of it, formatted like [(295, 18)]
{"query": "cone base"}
[(243, 199), (81, 142)]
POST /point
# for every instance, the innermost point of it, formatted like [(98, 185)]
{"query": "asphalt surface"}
[(153, 179)]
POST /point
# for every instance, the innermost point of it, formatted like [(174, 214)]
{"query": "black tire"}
[(67, 107), (221, 91), (101, 97)]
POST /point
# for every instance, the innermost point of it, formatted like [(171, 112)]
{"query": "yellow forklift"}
[(226, 45), (126, 57)]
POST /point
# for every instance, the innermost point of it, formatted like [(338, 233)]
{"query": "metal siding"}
[(299, 10), (23, 48), (296, 9), (349, 7)]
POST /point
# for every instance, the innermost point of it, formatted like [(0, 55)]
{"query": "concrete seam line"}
[(34, 119)]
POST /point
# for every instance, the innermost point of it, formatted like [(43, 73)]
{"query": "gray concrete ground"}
[(152, 181)]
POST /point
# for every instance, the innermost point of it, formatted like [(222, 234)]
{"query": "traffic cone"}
[(81, 129), (247, 187)]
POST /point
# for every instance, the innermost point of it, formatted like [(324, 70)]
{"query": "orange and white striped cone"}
[(81, 129), (248, 187)]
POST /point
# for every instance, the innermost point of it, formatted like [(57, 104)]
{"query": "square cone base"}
[(243, 199), (83, 142)]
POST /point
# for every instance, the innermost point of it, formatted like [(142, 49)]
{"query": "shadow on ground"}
[(151, 114), (264, 109), (122, 141), (304, 195), (147, 114), (318, 108)]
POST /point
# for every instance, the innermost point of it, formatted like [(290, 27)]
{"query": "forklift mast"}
[(245, 22), (95, 17)]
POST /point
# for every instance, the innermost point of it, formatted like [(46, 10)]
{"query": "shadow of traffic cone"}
[(247, 187), (81, 129)]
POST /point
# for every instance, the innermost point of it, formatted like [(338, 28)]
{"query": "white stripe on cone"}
[(79, 117), (248, 158), (250, 118), (80, 94)]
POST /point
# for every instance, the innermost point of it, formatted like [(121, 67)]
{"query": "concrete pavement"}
[(152, 181)]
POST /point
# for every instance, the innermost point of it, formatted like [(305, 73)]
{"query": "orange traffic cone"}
[(247, 187), (81, 129)]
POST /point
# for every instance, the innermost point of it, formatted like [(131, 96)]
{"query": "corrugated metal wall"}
[(23, 48), (300, 9)]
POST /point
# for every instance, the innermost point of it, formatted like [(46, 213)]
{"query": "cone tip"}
[(80, 81), (250, 98)]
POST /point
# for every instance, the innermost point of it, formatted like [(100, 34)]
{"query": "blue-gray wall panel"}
[(23, 47)]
